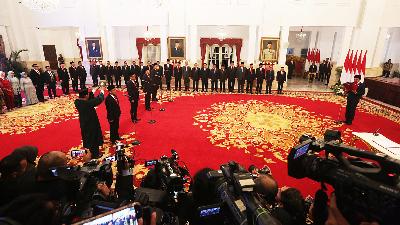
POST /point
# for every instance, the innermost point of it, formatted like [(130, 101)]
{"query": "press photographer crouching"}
[(366, 184)]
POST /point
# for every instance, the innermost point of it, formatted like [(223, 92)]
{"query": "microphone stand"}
[(161, 94)]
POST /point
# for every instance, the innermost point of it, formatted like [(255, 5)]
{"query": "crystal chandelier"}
[(221, 34), (147, 34), (43, 6), (301, 36)]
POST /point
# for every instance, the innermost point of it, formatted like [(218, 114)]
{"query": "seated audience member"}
[(32, 209), (291, 208), (10, 170)]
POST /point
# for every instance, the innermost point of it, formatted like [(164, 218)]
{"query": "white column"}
[(379, 52), (109, 33), (194, 43), (164, 42), (283, 45), (251, 52), (346, 45)]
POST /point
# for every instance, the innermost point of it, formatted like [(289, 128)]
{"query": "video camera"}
[(239, 205), (365, 191)]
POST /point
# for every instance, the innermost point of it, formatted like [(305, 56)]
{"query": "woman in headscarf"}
[(28, 89), (7, 91), (16, 87), (1, 99)]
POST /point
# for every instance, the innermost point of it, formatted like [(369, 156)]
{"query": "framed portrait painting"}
[(269, 49), (93, 48), (176, 48)]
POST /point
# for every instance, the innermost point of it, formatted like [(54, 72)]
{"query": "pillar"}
[(164, 42), (283, 45), (194, 44), (251, 52)]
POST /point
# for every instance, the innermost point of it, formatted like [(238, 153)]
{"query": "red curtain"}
[(212, 41), (140, 42)]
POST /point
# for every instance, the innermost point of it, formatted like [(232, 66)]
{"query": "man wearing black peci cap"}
[(281, 78), (132, 87), (92, 136), (357, 90), (113, 113)]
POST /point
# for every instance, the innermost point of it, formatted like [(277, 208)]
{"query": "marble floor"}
[(300, 84)]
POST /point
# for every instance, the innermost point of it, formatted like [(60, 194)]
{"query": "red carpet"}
[(206, 130)]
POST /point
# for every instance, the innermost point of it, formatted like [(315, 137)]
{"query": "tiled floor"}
[(300, 84)]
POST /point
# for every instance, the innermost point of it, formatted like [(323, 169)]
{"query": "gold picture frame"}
[(94, 51), (177, 47), (271, 55)]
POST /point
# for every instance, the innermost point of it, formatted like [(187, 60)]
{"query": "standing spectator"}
[(16, 87), (94, 72), (178, 76), (60, 59), (51, 82), (7, 91), (117, 74), (222, 78), (214, 73), (328, 70), (322, 71), (126, 72), (195, 78), (168, 74), (312, 71), (133, 93), (186, 71), (231, 77), (37, 81), (240, 75), (81, 75), (269, 78), (281, 78), (250, 76), (113, 113), (260, 75), (204, 77), (64, 77), (291, 66), (29, 89), (74, 76), (387, 67), (109, 73)]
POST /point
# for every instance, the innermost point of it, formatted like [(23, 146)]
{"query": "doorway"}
[(220, 55), (50, 55)]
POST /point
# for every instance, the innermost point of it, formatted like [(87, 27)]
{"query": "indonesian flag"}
[(364, 64), (354, 67), (359, 66), (307, 64), (344, 76), (308, 55)]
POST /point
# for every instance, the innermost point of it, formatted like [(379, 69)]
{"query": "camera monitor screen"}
[(125, 215), (302, 150)]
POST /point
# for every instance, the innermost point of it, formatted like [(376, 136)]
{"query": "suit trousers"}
[(118, 81), (95, 80), (75, 84), (134, 106), (222, 85), (114, 126), (231, 85), (204, 84), (241, 86), (110, 80), (280, 87), (51, 90), (195, 85), (147, 98), (249, 86), (82, 82), (65, 87), (154, 92), (178, 83), (259, 86), (214, 85), (268, 87), (168, 81)]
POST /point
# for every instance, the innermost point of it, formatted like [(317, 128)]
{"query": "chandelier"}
[(43, 6), (221, 34), (301, 36), (147, 34)]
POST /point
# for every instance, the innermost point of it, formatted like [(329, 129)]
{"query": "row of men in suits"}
[(75, 73), (323, 73)]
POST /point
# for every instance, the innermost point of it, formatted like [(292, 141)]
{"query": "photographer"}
[(291, 209)]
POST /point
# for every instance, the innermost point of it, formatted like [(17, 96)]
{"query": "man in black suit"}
[(312, 71), (186, 73), (240, 74), (231, 71), (109, 73), (328, 71), (51, 82), (64, 77), (113, 113), (134, 69), (281, 78), (222, 78), (126, 72), (142, 71), (117, 73), (214, 75), (353, 98), (269, 78), (147, 88), (82, 75), (204, 77), (291, 66), (250, 76), (260, 75), (74, 76), (321, 71), (155, 76), (178, 76), (195, 77), (37, 81), (161, 70), (94, 72), (133, 93), (102, 70), (168, 74)]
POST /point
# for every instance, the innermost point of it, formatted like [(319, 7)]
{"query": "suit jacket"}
[(313, 69), (133, 90), (109, 70), (35, 77), (168, 70), (63, 74), (260, 74), (195, 73), (186, 72), (223, 74), (142, 70), (270, 75), (134, 69), (50, 78), (155, 76), (73, 73), (281, 76), (147, 83), (113, 109), (291, 65), (214, 74), (81, 71), (231, 71), (178, 72), (251, 74), (241, 73), (204, 73), (117, 71), (103, 71)]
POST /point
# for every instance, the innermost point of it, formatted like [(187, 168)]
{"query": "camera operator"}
[(291, 208), (10, 170)]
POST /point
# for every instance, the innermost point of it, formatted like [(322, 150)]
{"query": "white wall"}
[(392, 50), (3, 33), (64, 40)]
